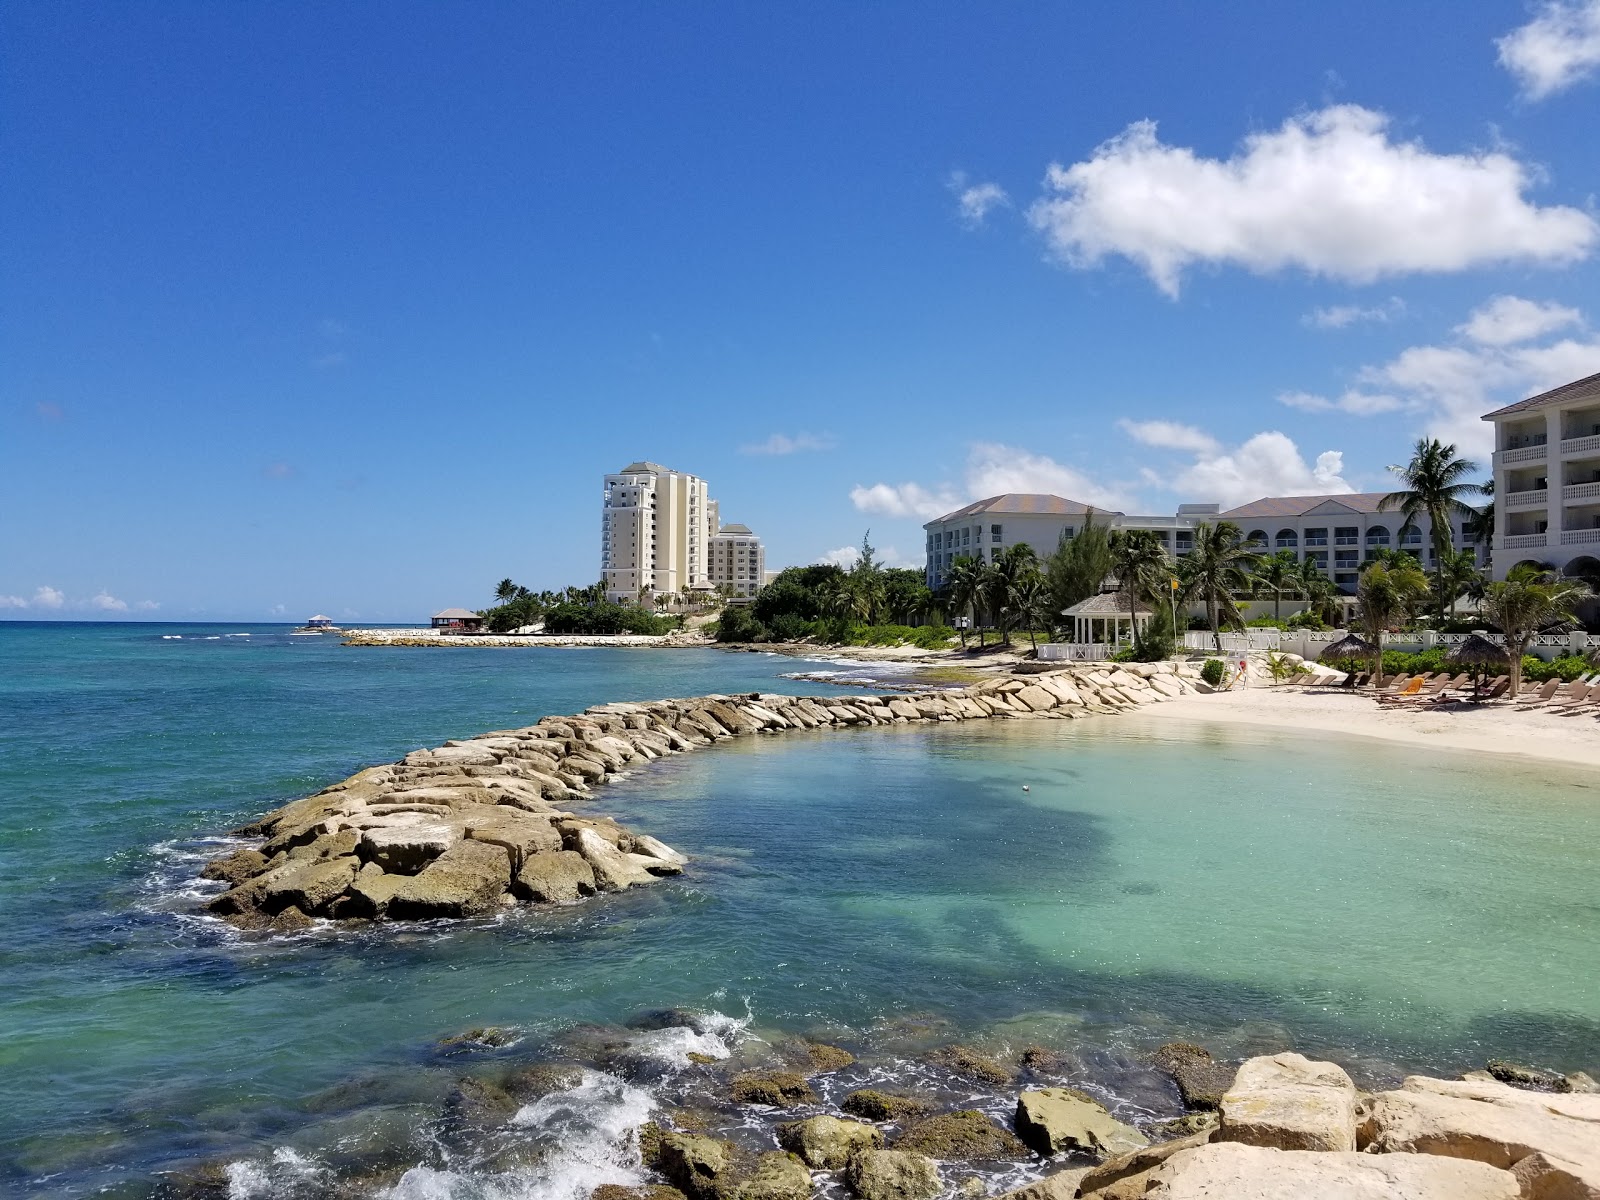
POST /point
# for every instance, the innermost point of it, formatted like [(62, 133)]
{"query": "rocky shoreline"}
[(484, 823)]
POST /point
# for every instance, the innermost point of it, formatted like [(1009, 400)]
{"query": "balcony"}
[(1580, 493), (1580, 445), (1533, 498), (1525, 541), (1346, 541), (1578, 537), (1520, 454)]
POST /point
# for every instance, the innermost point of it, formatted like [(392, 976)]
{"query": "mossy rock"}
[(776, 1176), (1039, 1058), (960, 1136), (780, 1089), (655, 1191), (1201, 1079), (1181, 1127), (883, 1106), (701, 1060), (817, 1057), (539, 1080), (484, 1037), (964, 1060), (479, 1102)]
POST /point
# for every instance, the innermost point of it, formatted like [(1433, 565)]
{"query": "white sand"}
[(1541, 733)]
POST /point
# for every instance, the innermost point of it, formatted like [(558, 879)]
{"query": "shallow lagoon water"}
[(887, 889)]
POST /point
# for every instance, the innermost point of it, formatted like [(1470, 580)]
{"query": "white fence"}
[(1074, 652), (1233, 643)]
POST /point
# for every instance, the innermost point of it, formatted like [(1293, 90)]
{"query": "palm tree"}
[(505, 591), (1435, 486), (1318, 591), (966, 592), (1139, 560), (1010, 566), (1456, 572), (1217, 568), (1525, 602), (1274, 573), (1032, 602), (1387, 596)]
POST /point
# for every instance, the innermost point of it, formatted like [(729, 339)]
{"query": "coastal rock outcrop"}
[(1051, 1120), (1259, 1173), (1290, 1102), (893, 1175), (476, 824)]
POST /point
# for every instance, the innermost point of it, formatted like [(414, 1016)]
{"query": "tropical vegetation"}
[(1527, 600), (1437, 482)]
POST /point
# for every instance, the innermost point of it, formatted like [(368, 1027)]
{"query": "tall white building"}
[(1547, 480), (1339, 533), (654, 529), (738, 560), (660, 530)]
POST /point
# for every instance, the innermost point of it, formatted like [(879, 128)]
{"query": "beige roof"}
[(1300, 506), (1567, 391), (739, 530), (1106, 604), (453, 614), (645, 467), (1019, 502)]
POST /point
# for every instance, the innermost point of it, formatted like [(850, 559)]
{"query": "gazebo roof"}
[(455, 614), (1106, 604)]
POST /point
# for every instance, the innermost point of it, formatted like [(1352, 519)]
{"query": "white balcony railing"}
[(1575, 493), (1579, 537), (1524, 541), (1074, 652), (1232, 643), (1521, 454), (1532, 498), (1580, 445)]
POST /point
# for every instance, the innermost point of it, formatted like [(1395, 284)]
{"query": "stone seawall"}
[(484, 823)]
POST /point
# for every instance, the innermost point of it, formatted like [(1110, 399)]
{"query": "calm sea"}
[(889, 890)]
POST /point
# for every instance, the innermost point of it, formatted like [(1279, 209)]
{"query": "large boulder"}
[(828, 1143), (1051, 1120), (1201, 1079), (1240, 1172), (779, 1089), (405, 848), (1063, 1185), (964, 1060), (1556, 1135), (554, 878), (466, 880), (613, 870), (893, 1175), (882, 1106), (960, 1136), (519, 836), (1289, 1102), (694, 1164), (777, 1176), (1128, 1174), (312, 887)]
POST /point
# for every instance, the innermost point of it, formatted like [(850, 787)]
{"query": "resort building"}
[(661, 534), (457, 619), (738, 561), (1547, 480), (1339, 533)]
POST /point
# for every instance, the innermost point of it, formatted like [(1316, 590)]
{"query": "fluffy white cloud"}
[(44, 597), (1269, 464), (1555, 50), (49, 599), (1329, 193), (1169, 435), (104, 601), (1342, 316), (1506, 320), (975, 201), (1356, 403), (992, 470), (888, 556), (782, 443)]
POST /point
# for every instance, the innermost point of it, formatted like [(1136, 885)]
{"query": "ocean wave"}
[(287, 1175)]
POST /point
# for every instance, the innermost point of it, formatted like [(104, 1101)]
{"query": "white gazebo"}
[(1104, 619)]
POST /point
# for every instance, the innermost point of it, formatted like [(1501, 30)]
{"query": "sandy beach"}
[(1538, 733)]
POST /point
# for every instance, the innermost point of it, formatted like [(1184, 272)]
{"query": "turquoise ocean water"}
[(887, 889)]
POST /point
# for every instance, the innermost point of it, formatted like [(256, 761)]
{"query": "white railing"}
[(1581, 491), (1074, 652), (1232, 643), (1580, 537), (1524, 541), (1580, 445), (1520, 454), (1532, 498)]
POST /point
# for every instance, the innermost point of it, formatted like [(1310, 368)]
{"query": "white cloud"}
[(782, 443), (48, 597), (1342, 316), (992, 470), (975, 201), (12, 602), (148, 605), (1558, 48), (1328, 193), (104, 601), (1356, 403), (887, 556), (51, 599), (1268, 464), (1169, 435), (1506, 320)]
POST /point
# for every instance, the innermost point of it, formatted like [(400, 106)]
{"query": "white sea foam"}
[(712, 1035), (285, 1176), (172, 637)]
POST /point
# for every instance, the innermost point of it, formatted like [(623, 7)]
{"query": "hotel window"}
[(1346, 535), (994, 533), (966, 537), (1378, 535), (1317, 537)]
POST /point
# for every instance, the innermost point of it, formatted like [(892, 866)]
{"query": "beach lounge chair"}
[(1498, 687), (1541, 696), (1577, 694), (1439, 682), (1412, 688)]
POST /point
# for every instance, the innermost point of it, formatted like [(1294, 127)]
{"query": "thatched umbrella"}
[(1477, 652), (1349, 646)]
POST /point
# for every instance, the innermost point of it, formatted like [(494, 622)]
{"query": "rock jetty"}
[(487, 822)]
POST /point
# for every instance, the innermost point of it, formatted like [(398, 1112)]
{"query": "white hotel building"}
[(1547, 480), (1339, 533), (660, 530)]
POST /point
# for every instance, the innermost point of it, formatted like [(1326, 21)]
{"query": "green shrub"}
[(1213, 670), (787, 627), (738, 624), (1566, 668), (1268, 622), (1305, 620)]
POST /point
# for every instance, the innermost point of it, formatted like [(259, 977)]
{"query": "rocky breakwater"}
[(487, 822)]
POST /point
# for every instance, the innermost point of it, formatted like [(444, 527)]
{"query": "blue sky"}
[(350, 307)]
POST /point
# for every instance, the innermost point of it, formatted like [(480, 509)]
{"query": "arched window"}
[(1288, 539), (1257, 540), (1411, 536), (1378, 535)]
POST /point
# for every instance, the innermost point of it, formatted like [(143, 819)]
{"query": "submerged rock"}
[(964, 1060), (816, 1057), (780, 1089), (776, 1176), (962, 1136), (883, 1106), (1201, 1079), (1527, 1077), (695, 1164)]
